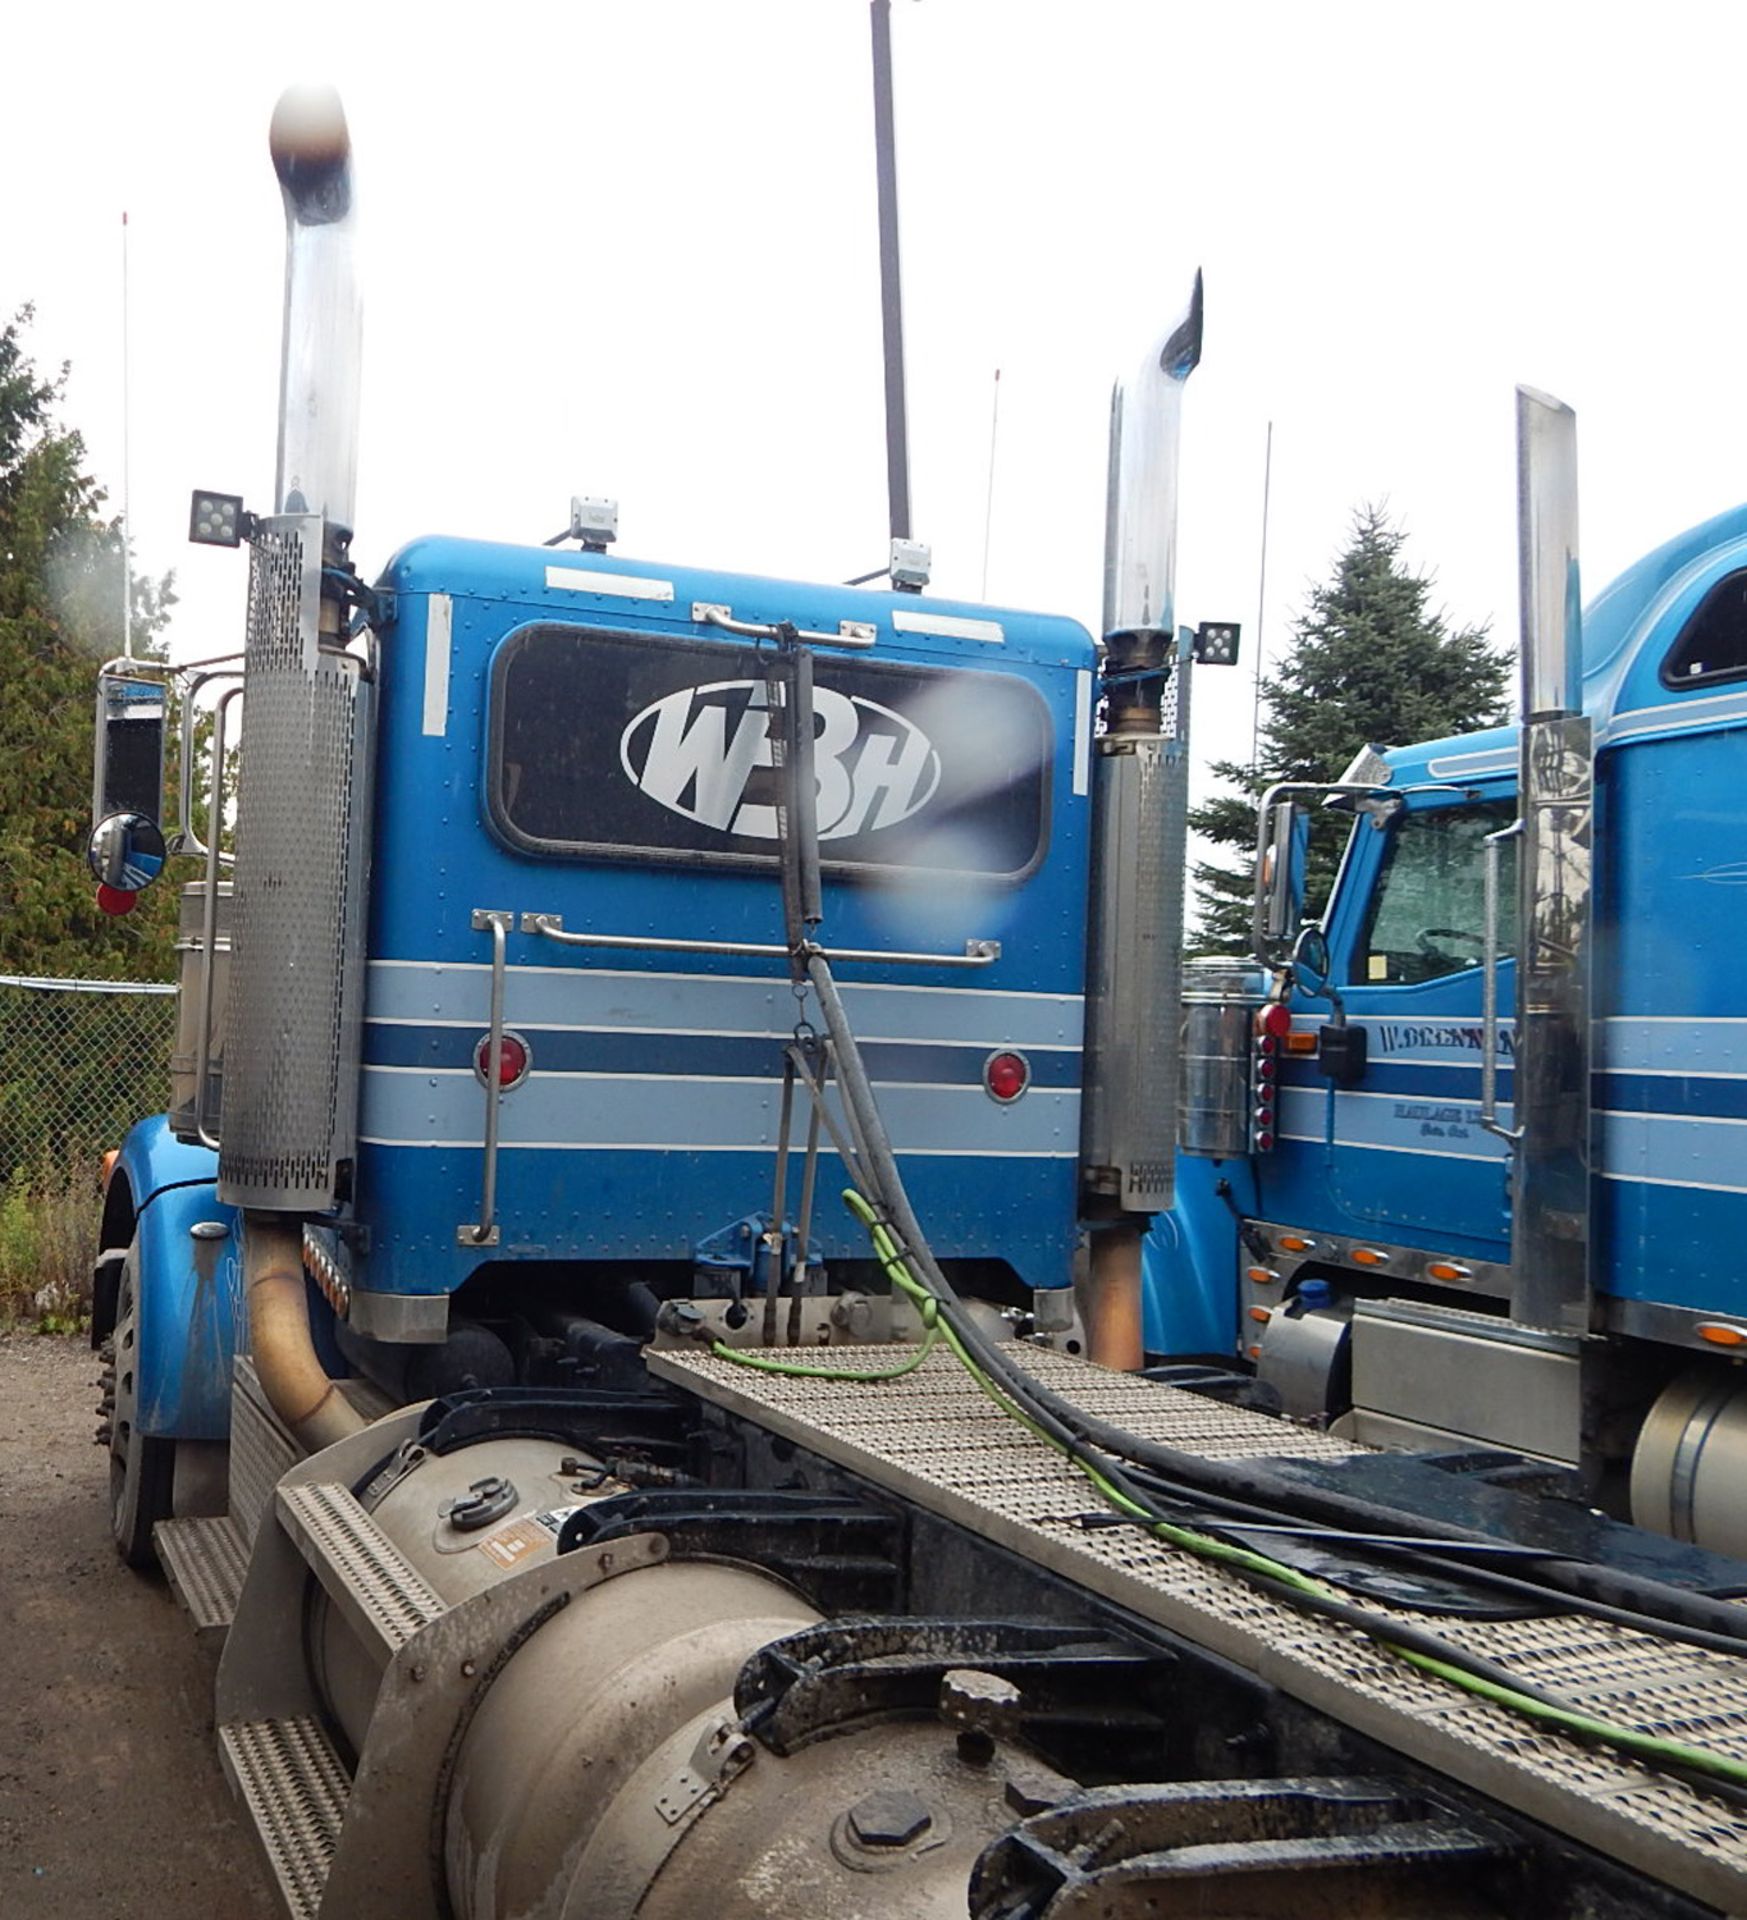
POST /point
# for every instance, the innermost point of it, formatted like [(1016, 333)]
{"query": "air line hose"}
[(1098, 1449), (1426, 1651)]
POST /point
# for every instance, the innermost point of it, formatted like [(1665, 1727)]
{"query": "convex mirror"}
[(1310, 962), (126, 852)]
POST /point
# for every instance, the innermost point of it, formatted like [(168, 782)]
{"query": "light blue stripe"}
[(1674, 1150), (588, 997), (1683, 1045), (403, 1107), (1396, 1123)]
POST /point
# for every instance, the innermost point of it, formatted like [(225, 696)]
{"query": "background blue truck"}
[(1365, 1247)]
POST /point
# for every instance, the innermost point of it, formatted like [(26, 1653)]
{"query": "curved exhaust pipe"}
[(317, 469), (294, 1380)]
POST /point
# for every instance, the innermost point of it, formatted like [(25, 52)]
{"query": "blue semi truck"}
[(489, 1021), (1448, 1224), (674, 1071)]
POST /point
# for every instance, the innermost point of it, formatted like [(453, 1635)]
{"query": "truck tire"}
[(142, 1469)]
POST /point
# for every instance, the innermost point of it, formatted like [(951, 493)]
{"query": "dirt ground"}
[(112, 1803)]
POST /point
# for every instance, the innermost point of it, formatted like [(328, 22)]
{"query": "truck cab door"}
[(1402, 1153)]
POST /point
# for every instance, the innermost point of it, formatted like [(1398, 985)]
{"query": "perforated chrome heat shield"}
[(934, 1439), (291, 1035), (1134, 972)]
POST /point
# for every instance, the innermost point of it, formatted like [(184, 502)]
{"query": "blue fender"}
[(192, 1319), (1189, 1265)]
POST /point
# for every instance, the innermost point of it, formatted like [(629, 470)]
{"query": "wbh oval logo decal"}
[(695, 750)]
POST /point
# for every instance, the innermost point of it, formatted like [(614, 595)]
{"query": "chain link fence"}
[(80, 1061)]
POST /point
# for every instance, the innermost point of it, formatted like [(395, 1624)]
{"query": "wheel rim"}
[(126, 1402)]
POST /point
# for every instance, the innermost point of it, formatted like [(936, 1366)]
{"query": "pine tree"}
[(1370, 664), (60, 618)]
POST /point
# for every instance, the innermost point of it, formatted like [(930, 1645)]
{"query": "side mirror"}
[(1281, 880), (128, 777), (1310, 962), (126, 852)]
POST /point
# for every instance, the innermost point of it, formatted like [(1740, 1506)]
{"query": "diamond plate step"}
[(290, 1780), (204, 1561), (382, 1595)]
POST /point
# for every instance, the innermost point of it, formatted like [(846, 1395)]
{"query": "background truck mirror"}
[(129, 774), (1282, 875)]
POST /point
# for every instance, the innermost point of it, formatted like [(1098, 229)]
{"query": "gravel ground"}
[(112, 1803)]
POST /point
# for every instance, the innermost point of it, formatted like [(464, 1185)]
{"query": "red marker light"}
[(1275, 1019), (115, 900), (1006, 1076), (512, 1060)]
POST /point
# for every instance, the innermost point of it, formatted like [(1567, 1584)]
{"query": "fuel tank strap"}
[(932, 1438)]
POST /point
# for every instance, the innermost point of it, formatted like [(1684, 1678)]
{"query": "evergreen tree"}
[(1370, 664), (60, 618)]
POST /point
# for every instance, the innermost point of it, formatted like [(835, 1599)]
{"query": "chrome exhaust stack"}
[(1139, 829), (292, 1026), (1550, 1134)]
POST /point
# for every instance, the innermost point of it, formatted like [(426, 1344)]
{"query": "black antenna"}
[(891, 299)]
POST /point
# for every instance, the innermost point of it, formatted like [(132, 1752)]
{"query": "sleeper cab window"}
[(641, 747), (1712, 645)]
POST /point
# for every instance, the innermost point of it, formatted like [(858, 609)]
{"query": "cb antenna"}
[(891, 298), (126, 467)]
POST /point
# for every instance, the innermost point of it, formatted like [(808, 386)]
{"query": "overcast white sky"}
[(629, 248)]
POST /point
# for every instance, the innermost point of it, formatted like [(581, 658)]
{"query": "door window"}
[(1427, 916)]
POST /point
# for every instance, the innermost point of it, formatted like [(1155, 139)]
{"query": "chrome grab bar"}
[(977, 953), (850, 633), (187, 840), (483, 1233), (208, 906), (1489, 990)]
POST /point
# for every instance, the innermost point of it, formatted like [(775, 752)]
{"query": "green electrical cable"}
[(800, 1370), (1626, 1739)]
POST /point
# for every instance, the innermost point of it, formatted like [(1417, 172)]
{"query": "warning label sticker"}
[(511, 1545)]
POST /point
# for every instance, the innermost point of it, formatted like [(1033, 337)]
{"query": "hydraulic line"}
[(1190, 1473), (1184, 1472), (1102, 1451), (1418, 1647), (1434, 1556)]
